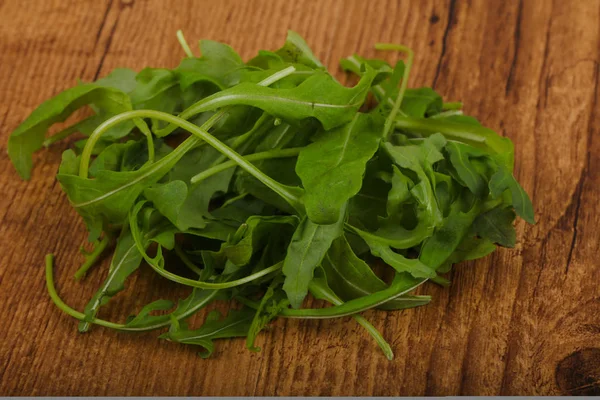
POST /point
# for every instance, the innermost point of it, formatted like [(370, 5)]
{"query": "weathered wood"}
[(522, 321)]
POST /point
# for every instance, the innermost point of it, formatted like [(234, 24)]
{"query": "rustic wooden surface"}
[(522, 321)]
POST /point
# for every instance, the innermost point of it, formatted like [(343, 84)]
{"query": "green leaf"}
[(254, 234), (447, 237), (266, 60), (28, 136), (122, 79), (496, 226), (70, 163), (219, 65), (281, 170), (399, 193), (319, 96), (460, 158), (465, 132), (418, 161), (397, 261), (503, 180), (111, 194), (421, 102), (319, 289), (144, 314), (274, 300), (125, 261), (157, 89), (332, 167), (349, 276), (369, 205), (168, 200), (470, 248), (296, 50), (236, 324), (110, 159), (197, 300), (309, 245)]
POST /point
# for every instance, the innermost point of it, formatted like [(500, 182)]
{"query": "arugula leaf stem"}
[(212, 285), (184, 44), (355, 68), (403, 85), (102, 128), (327, 294), (448, 113), (93, 256), (186, 260), (68, 131), (143, 127), (241, 139), (398, 288), (107, 324), (199, 134), (277, 153), (279, 75), (467, 133), (61, 304), (197, 107), (453, 105)]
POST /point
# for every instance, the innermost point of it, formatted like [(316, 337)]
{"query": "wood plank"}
[(523, 321)]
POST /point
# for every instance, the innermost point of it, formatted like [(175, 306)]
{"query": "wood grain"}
[(523, 321)]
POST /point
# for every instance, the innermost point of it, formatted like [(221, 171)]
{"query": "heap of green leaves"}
[(269, 180)]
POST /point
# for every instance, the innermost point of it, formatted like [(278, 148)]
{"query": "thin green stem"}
[(446, 114), (453, 105), (403, 85), (186, 260), (121, 327), (86, 154), (201, 134), (143, 127), (277, 153), (472, 134), (208, 285), (68, 131), (468, 133), (93, 256), (184, 44), (268, 81), (326, 294), (440, 281), (102, 128), (241, 139), (199, 106), (377, 89), (247, 302), (399, 287), (61, 304)]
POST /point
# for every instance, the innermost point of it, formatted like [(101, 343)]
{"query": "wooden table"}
[(522, 321)]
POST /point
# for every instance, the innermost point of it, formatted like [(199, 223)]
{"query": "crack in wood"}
[(102, 23), (517, 41), (449, 26), (584, 173), (108, 43)]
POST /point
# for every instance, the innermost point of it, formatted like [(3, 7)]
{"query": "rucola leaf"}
[(309, 245), (236, 324), (332, 167), (28, 137)]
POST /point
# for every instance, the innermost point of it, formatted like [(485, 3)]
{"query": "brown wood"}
[(522, 321)]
